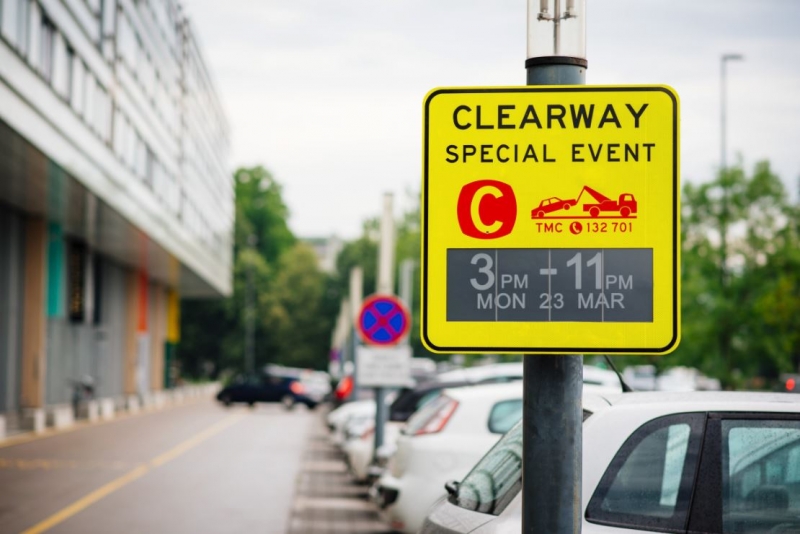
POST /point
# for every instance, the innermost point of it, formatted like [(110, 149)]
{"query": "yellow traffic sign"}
[(551, 220)]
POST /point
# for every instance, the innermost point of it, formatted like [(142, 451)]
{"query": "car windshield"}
[(497, 477)]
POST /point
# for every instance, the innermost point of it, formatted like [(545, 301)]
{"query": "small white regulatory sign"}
[(383, 366)]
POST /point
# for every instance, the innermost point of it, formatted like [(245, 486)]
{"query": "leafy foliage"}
[(363, 252), (741, 278), (291, 305)]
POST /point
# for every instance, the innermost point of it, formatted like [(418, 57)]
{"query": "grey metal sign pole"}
[(385, 287), (552, 435), (356, 298)]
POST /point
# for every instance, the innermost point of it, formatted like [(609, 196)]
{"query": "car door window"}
[(497, 478), (649, 482), (760, 476), (504, 415)]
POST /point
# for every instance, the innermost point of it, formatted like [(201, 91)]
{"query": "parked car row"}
[(715, 462)]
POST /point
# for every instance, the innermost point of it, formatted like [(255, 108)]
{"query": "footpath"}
[(327, 501)]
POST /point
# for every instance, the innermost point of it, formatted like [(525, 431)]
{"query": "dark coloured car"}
[(287, 389)]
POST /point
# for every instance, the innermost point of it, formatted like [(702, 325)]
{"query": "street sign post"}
[(383, 324), (551, 220)]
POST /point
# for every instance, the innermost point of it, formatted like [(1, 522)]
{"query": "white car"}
[(601, 380), (352, 419), (346, 414), (483, 372), (359, 452), (711, 462), (595, 376), (442, 441)]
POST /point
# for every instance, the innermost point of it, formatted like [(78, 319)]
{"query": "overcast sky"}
[(328, 94)]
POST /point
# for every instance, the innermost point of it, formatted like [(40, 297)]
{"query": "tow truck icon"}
[(624, 206)]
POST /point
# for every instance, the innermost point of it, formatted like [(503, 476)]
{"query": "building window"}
[(89, 88), (78, 75), (46, 42), (94, 5), (70, 73), (62, 66), (149, 164), (15, 19)]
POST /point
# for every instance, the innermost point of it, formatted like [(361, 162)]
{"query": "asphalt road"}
[(188, 469)]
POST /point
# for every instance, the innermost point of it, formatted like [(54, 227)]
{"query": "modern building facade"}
[(115, 196)]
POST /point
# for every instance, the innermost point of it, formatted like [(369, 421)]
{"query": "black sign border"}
[(675, 233)]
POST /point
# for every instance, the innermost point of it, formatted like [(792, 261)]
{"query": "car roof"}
[(591, 401), (488, 392), (429, 386), (593, 374), (682, 401), (481, 372)]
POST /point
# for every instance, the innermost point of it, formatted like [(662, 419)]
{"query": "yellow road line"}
[(78, 425), (88, 500), (47, 464)]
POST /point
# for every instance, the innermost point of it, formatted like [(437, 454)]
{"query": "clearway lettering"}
[(548, 117)]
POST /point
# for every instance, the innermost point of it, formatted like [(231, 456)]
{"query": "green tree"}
[(261, 212), (297, 310), (363, 252), (288, 287), (736, 243)]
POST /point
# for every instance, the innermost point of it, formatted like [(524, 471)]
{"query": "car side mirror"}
[(452, 487)]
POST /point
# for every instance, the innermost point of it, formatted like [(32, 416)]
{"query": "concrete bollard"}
[(60, 416), (107, 408), (89, 410), (2, 427), (159, 400), (146, 401), (34, 419), (132, 404)]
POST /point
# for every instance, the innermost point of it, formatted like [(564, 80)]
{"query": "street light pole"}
[(723, 226), (724, 101), (249, 317), (385, 285), (552, 434)]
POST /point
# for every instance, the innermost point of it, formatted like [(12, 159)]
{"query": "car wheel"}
[(625, 211), (540, 214), (288, 402), (594, 212), (226, 400), (251, 404)]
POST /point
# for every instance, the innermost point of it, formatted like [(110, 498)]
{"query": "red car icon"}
[(551, 204)]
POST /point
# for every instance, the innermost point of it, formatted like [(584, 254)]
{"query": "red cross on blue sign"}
[(384, 320)]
